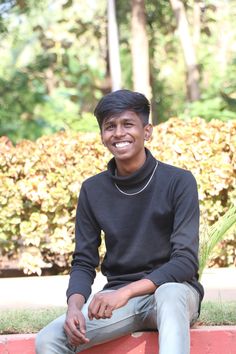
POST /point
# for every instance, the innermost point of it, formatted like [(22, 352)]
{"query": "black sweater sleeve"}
[(85, 256), (183, 263)]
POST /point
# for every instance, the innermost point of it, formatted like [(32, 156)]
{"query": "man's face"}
[(124, 136)]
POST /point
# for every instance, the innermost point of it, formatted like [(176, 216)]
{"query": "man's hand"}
[(103, 304), (74, 326)]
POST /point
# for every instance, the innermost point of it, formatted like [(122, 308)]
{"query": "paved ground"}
[(219, 284)]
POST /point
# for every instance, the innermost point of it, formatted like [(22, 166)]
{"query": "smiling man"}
[(149, 214), (124, 134)]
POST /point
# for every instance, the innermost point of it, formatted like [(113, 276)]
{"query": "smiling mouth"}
[(122, 144)]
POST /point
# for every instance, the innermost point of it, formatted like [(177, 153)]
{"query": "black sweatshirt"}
[(151, 235)]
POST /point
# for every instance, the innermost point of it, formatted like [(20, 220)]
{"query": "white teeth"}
[(122, 144)]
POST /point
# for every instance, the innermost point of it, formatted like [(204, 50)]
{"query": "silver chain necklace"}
[(130, 194)]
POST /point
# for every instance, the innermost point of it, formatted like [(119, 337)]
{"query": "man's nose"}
[(120, 131)]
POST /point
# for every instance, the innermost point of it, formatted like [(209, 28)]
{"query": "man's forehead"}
[(123, 115)]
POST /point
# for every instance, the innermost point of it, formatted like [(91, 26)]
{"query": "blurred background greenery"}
[(57, 60)]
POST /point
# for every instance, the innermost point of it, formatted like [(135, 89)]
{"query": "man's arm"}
[(184, 239), (85, 256), (103, 304), (75, 326), (85, 260)]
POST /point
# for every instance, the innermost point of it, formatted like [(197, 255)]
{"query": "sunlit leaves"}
[(40, 183)]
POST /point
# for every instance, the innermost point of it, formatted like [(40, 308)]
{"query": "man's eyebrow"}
[(108, 120), (112, 119)]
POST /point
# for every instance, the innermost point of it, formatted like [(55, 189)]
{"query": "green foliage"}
[(212, 107), (40, 183), (18, 97), (46, 79), (218, 101), (208, 150), (55, 68), (39, 188), (214, 236)]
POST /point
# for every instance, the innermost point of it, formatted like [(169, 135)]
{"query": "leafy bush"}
[(40, 183), (208, 149)]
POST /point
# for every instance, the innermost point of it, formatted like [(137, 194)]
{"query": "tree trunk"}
[(196, 22), (188, 50), (50, 80), (225, 34), (113, 45), (140, 49)]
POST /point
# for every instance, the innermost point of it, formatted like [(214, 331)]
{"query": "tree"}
[(52, 68), (196, 22), (140, 49), (113, 46), (192, 70)]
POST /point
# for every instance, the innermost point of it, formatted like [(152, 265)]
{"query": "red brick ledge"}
[(204, 340)]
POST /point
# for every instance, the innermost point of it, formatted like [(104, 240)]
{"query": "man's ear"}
[(148, 131)]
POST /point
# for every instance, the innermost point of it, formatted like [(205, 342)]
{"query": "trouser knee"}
[(176, 301), (176, 305), (40, 343), (172, 294), (172, 301)]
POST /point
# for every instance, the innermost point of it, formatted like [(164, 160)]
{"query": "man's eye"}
[(110, 127), (128, 124)]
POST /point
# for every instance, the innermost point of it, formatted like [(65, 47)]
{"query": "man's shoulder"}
[(177, 179), (174, 173), (95, 179), (173, 170)]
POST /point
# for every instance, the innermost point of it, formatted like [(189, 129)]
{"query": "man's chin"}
[(122, 155)]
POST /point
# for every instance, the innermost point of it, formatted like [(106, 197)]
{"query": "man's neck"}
[(126, 168)]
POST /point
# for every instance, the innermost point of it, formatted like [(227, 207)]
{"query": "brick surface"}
[(204, 340)]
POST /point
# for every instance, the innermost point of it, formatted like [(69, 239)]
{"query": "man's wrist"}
[(138, 288), (126, 292), (76, 300)]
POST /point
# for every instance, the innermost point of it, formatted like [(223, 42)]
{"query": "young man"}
[(149, 213)]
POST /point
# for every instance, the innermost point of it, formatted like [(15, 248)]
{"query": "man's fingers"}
[(75, 329), (96, 310), (93, 309), (78, 340), (108, 312), (75, 336), (81, 325), (102, 312)]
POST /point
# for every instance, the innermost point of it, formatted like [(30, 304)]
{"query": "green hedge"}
[(40, 183)]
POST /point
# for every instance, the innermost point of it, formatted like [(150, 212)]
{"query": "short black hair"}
[(122, 100)]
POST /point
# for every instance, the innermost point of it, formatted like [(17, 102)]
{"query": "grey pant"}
[(170, 310)]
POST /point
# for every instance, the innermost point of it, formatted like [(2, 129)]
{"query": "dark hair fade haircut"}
[(122, 100)]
